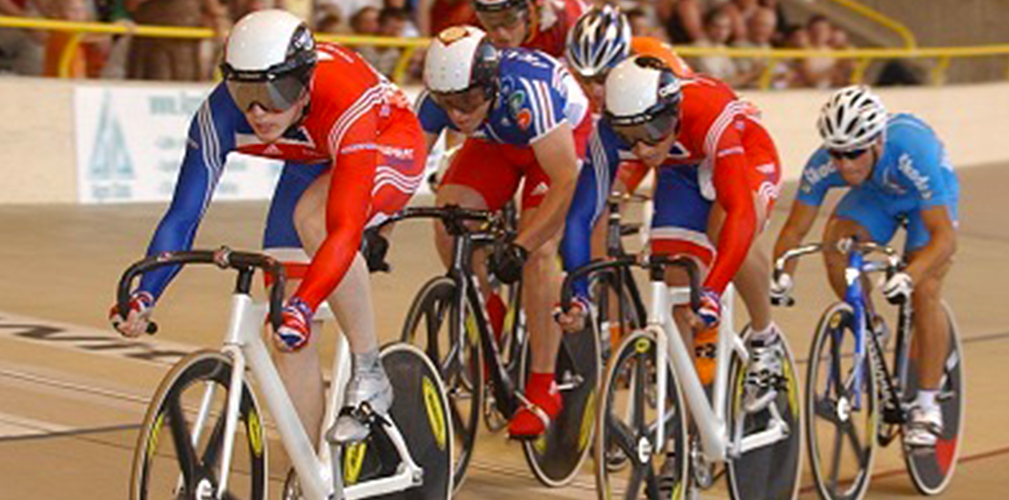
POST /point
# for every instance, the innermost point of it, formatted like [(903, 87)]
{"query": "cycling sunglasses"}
[(649, 129), (847, 155), (466, 101)]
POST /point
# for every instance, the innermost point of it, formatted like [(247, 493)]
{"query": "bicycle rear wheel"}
[(627, 426), (556, 457), (435, 325), (931, 469), (184, 462), (771, 471), (841, 416)]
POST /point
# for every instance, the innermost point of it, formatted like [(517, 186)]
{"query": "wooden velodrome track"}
[(72, 394)]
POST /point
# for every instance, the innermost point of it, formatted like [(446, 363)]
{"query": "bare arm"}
[(556, 155), (800, 221)]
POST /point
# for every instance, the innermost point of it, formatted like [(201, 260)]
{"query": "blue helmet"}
[(599, 40)]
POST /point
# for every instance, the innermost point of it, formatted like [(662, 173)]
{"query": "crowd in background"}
[(702, 23)]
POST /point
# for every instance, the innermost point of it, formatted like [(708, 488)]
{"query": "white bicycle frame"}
[(718, 442), (319, 475)]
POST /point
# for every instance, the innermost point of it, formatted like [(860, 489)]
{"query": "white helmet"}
[(599, 40), (461, 58), (269, 60), (851, 119), (643, 99)]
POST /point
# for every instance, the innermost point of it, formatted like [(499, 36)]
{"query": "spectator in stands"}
[(20, 50), (365, 21), (409, 23), (391, 23), (682, 19), (740, 12), (788, 75), (780, 31), (818, 71), (433, 16), (329, 19), (173, 59), (718, 29), (760, 32), (641, 25), (844, 67)]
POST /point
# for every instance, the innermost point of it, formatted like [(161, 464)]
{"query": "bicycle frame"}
[(718, 442), (855, 296), (318, 474)]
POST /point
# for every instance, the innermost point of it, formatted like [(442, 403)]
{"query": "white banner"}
[(131, 140)]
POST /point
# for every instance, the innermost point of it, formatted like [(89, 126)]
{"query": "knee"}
[(542, 260), (926, 293)]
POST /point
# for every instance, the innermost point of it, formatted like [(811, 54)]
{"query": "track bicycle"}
[(204, 437), (618, 304), (448, 320), (756, 433), (856, 400)]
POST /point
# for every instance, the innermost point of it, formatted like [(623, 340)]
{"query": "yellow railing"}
[(862, 56), (879, 18)]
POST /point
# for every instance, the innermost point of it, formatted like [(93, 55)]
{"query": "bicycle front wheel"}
[(435, 325), (841, 416), (181, 443), (556, 457), (627, 427), (932, 469)]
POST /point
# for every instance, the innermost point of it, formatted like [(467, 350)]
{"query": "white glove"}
[(781, 287), (897, 289)]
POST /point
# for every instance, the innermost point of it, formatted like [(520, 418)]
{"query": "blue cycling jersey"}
[(536, 95), (913, 173)]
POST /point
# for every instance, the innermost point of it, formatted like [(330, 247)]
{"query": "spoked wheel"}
[(435, 325), (556, 457), (841, 416), (932, 469), (181, 444), (628, 423), (771, 471)]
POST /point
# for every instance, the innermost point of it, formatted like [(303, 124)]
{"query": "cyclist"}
[(599, 40), (354, 154), (533, 24), (524, 117), (899, 173), (717, 179)]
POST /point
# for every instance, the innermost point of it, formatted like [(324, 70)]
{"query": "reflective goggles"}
[(649, 128), (504, 18), (465, 101), (847, 155), (273, 93)]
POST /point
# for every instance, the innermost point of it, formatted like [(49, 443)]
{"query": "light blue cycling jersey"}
[(913, 170), (536, 95), (913, 174)]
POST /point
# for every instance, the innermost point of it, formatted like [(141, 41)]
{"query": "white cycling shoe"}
[(924, 427), (368, 391)]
